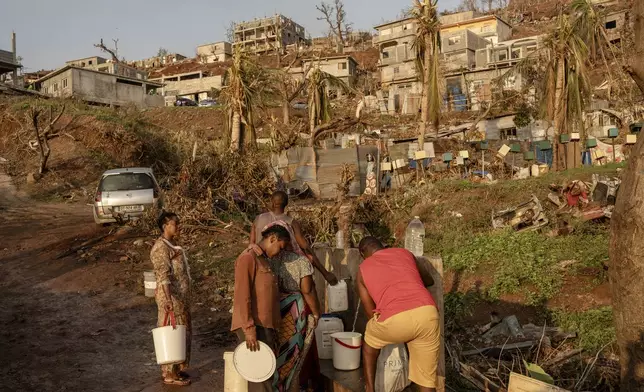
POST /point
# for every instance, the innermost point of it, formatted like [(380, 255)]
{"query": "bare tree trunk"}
[(424, 109), (626, 271), (559, 111), (235, 135), (286, 112)]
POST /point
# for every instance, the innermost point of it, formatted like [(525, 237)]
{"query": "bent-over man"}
[(400, 310)]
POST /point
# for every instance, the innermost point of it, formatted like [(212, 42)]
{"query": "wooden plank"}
[(520, 383), (498, 349)]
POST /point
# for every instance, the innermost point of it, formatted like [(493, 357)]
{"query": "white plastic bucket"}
[(170, 343), (346, 350), (233, 381)]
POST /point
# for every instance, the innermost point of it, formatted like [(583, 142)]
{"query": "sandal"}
[(176, 381)]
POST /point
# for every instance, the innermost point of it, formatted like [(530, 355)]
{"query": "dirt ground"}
[(73, 323)]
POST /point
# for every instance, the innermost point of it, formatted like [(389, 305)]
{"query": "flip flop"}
[(176, 381)]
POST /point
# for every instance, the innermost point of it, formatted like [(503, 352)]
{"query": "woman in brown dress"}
[(173, 293)]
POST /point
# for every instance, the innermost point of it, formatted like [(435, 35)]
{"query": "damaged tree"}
[(42, 135), (335, 16), (318, 83), (427, 44), (288, 89), (112, 52), (247, 85)]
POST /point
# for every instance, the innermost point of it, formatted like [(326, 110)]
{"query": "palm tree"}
[(246, 87), (318, 83), (427, 44), (567, 85)]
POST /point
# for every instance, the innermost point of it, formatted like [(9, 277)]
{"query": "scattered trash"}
[(526, 216), (509, 326), (139, 243), (522, 173), (456, 214), (519, 383), (535, 371)]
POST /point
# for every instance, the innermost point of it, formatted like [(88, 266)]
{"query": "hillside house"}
[(215, 52), (99, 87), (343, 67), (269, 34)]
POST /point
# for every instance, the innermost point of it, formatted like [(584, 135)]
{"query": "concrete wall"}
[(396, 72), (100, 88), (614, 24), (494, 30), (60, 86), (87, 62), (192, 86), (458, 17), (459, 40), (215, 52)]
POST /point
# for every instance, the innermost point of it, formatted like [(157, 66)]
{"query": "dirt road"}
[(73, 324)]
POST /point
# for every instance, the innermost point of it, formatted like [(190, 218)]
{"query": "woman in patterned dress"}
[(173, 293), (300, 312)]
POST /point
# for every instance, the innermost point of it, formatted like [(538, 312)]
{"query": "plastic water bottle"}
[(415, 236)]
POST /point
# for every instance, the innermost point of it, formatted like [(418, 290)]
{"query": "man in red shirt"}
[(400, 309)]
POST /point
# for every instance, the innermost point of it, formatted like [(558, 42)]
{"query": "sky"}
[(50, 32)]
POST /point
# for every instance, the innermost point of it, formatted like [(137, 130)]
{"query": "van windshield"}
[(126, 182)]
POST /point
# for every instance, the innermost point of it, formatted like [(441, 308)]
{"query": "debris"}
[(456, 214), (494, 320), (2, 160), (576, 193), (509, 326), (535, 371), (139, 243), (124, 259), (526, 216), (478, 379), (555, 199), (563, 356), (520, 383), (522, 174), (535, 332), (206, 273), (496, 351)]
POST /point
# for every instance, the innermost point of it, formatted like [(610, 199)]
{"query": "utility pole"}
[(15, 59)]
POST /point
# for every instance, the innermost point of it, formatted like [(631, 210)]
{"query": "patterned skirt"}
[(296, 335)]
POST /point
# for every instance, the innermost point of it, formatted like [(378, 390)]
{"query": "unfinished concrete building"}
[(157, 61), (398, 74), (9, 63), (100, 64), (489, 27), (193, 85), (98, 87), (459, 49), (269, 34), (215, 52)]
